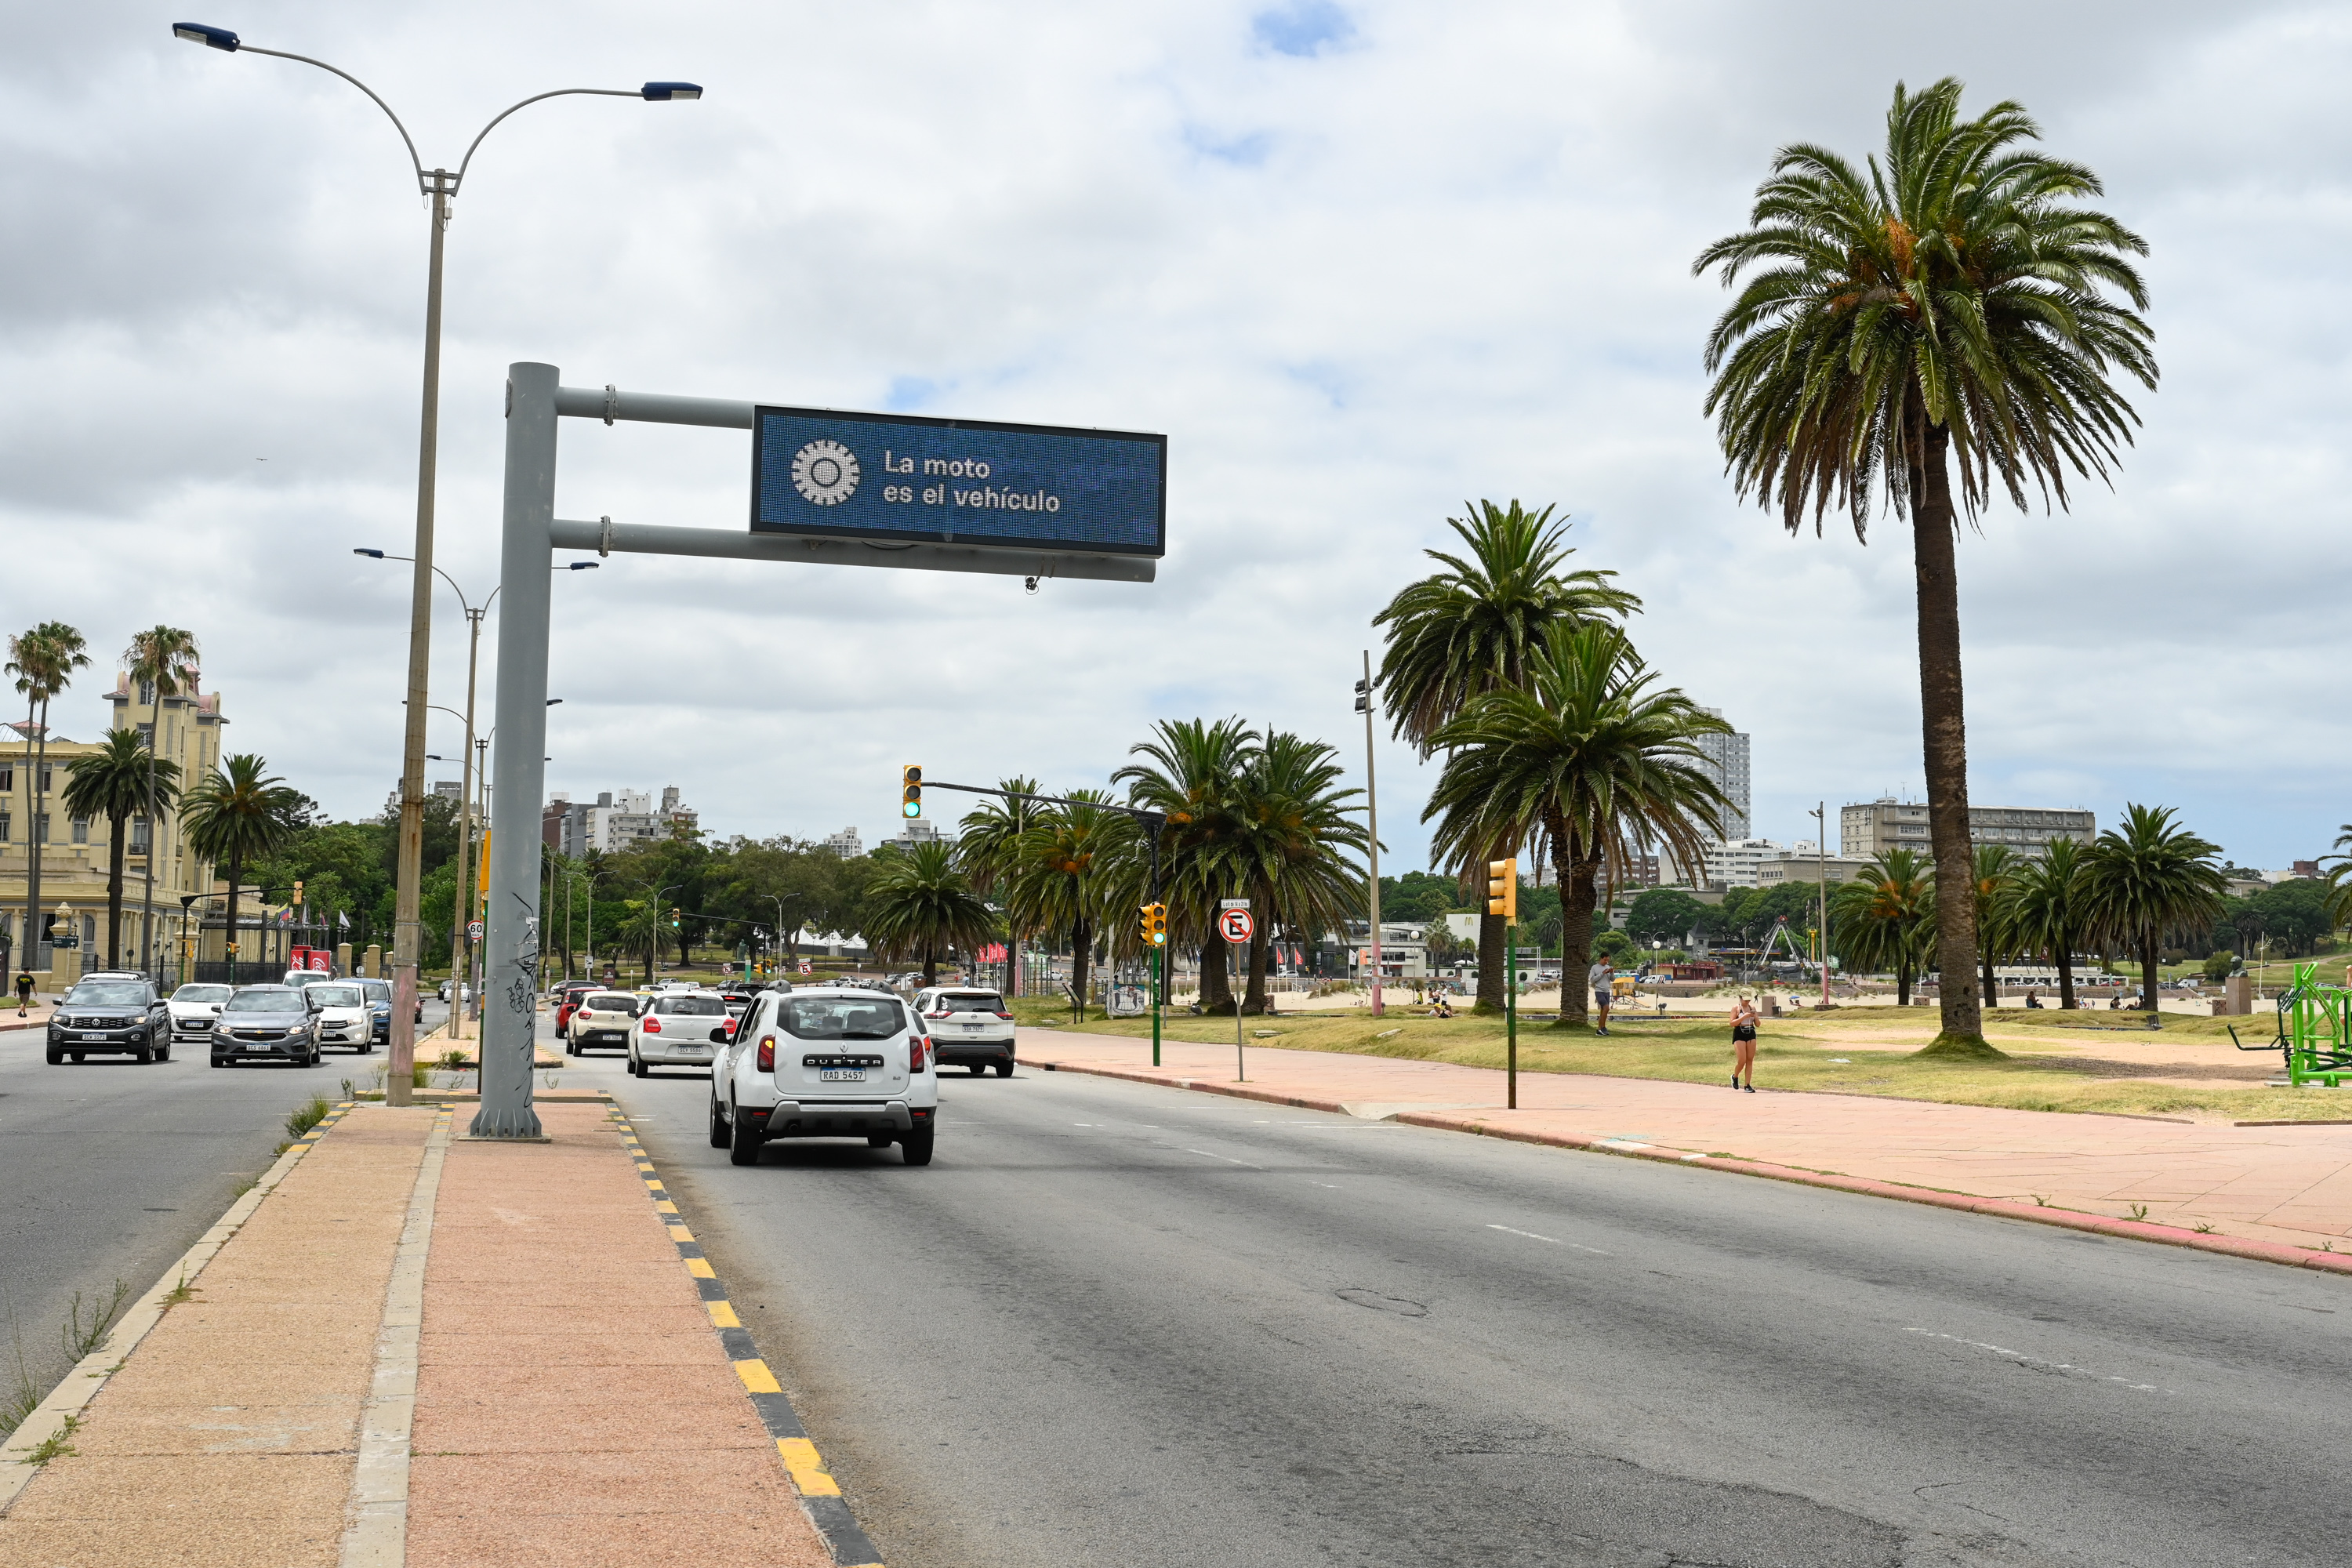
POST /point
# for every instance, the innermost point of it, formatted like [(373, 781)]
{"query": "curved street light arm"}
[(560, 93), (413, 161)]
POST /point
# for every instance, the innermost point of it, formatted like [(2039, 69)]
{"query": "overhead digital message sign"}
[(905, 478)]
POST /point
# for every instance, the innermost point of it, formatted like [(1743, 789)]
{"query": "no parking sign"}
[(1233, 921)]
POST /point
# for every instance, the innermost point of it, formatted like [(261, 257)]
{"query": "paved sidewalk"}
[(2284, 1186), (410, 1348)]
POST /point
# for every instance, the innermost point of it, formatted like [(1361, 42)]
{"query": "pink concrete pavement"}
[(2284, 1190)]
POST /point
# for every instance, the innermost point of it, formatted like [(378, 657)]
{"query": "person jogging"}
[(1743, 1045), (1603, 978)]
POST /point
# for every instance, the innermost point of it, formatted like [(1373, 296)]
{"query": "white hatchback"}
[(603, 1018), (825, 1062), (678, 1030), (196, 1009)]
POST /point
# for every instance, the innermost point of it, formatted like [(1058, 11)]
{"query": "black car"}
[(270, 1022), (119, 1015)]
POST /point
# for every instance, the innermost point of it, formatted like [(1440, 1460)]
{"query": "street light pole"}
[(1365, 705), (439, 187)]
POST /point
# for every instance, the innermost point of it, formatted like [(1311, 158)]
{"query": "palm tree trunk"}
[(1081, 949), (1903, 986), (114, 822), (2148, 970), (1216, 994), (1577, 896), (931, 964), (1492, 960), (236, 875), (1254, 999), (1944, 726), (1992, 983), (2065, 977)]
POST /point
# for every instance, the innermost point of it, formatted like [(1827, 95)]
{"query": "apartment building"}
[(1865, 829), (1725, 761), (846, 844)]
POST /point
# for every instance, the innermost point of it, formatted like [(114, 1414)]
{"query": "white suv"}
[(339, 1009), (195, 1008), (825, 1062), (969, 1027), (678, 1030)]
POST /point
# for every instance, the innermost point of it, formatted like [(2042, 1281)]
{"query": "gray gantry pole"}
[(511, 934)]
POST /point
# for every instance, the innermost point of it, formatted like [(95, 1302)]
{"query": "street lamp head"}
[(553, 701), (371, 554), (654, 91), (211, 37), (585, 565)]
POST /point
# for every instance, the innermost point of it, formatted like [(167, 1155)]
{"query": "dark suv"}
[(119, 1015)]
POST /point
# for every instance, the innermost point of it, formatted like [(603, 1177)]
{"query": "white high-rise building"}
[(846, 844), (1727, 763)]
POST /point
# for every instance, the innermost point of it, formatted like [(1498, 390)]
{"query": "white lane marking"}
[(1333, 1185), (2023, 1360), (1556, 1241), (1228, 1159)]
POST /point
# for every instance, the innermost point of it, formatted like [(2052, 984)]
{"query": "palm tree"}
[(1190, 778), (1994, 872), (1591, 760), (1949, 308), (119, 778), (2043, 910), (2147, 879), (43, 661), (1460, 633), (1881, 914), (922, 903), (988, 850), (240, 814), (1070, 858), (1293, 836), (167, 656)]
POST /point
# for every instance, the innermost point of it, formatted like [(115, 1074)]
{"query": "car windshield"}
[(377, 990), (106, 993), (841, 1017), (335, 996), (200, 994), (969, 1002), (692, 1007), (264, 999), (611, 1002)]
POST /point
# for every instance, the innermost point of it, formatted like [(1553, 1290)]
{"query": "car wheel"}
[(221, 1061), (718, 1125), (56, 1058), (143, 1054), (77, 1056), (918, 1145), (743, 1140), (1005, 1067), (977, 1068), (367, 1047)]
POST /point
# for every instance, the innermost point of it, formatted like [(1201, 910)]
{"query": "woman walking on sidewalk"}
[(1743, 1044)]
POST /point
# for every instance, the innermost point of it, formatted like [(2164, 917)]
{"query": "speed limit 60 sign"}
[(1234, 923)]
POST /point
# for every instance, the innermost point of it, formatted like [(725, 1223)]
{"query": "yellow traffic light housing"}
[(1155, 925), (1503, 887), (910, 791)]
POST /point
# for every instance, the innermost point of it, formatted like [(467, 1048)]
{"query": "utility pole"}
[(1822, 844), (1365, 705)]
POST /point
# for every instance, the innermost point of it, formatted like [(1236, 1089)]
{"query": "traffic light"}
[(1503, 887), (910, 793), (673, 917), (297, 891), (1155, 925), (1363, 697)]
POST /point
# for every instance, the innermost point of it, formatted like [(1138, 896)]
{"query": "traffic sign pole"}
[(1234, 924), (1157, 992), (1511, 1011)]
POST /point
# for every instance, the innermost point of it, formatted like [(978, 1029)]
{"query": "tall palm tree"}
[(119, 778), (1460, 633), (988, 850), (1591, 760), (1189, 776), (238, 814), (1950, 308), (2043, 910), (1069, 859), (921, 902), (1295, 834), (2147, 879), (43, 661), (167, 656), (1881, 915), (1993, 872)]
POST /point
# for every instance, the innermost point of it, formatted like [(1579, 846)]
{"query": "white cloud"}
[(1360, 262)]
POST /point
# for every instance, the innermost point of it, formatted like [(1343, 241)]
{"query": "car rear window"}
[(692, 1007), (841, 1017), (971, 1002), (610, 1002)]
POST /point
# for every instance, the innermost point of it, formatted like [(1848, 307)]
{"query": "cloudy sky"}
[(1360, 262)]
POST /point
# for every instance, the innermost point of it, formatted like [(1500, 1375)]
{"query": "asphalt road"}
[(112, 1170), (1115, 1323)]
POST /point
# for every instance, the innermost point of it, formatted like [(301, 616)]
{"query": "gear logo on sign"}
[(825, 473)]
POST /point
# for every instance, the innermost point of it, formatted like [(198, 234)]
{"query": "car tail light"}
[(916, 1046), (1006, 1017), (767, 1053), (731, 1027), (653, 1025)]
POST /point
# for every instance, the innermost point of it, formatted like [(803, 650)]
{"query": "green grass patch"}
[(1788, 1056)]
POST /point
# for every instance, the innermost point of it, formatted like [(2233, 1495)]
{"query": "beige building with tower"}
[(1886, 823), (74, 851)]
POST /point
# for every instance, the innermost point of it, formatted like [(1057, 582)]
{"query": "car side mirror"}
[(719, 1034)]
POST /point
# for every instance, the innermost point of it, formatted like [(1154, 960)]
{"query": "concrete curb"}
[(2004, 1208), (820, 1494), (54, 1417), (377, 1534)]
